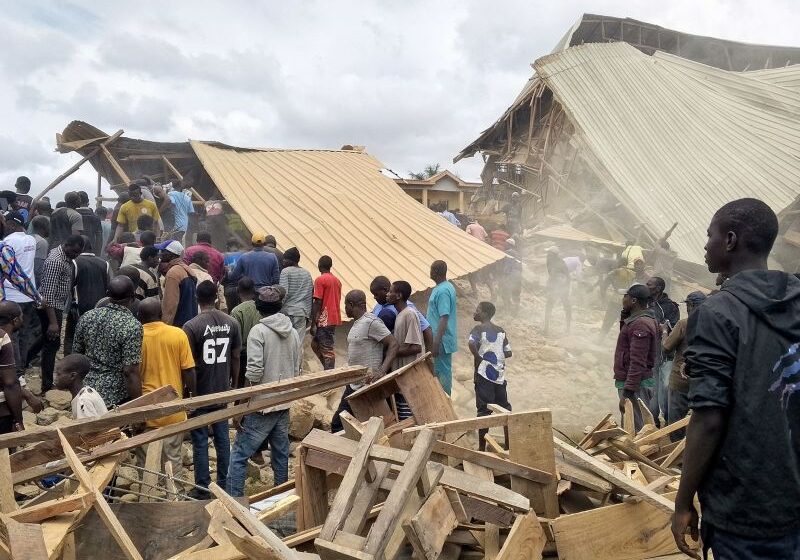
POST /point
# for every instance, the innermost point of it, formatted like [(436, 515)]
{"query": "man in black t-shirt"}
[(216, 343), (23, 186)]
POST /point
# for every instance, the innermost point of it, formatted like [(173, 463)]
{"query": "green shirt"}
[(443, 302), (246, 315)]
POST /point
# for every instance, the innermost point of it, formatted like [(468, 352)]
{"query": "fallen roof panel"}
[(675, 140), (337, 203)]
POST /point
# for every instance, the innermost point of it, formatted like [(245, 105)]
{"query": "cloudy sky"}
[(414, 81)]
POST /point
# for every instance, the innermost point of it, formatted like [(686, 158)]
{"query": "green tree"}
[(429, 171)]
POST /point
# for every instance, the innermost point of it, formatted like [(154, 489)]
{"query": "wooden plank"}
[(101, 506), (345, 496), (169, 481), (172, 168), (123, 177), (530, 443), (310, 485), (494, 447), (173, 429), (490, 461), (251, 523), (615, 477), (628, 419), (281, 508), (433, 523), (660, 483), (620, 532), (397, 539), (40, 512), (25, 540), (491, 542), (275, 393), (424, 394), (69, 552), (675, 455), (663, 432), (467, 424), (525, 541), (647, 416), (464, 483), (478, 471), (331, 551), (581, 476), (589, 434), (458, 507), (352, 426), (365, 500), (253, 547), (480, 510), (152, 464), (632, 452), (404, 485), (274, 491), (7, 501)]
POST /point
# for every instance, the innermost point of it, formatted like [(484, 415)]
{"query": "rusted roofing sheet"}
[(674, 140), (338, 203)]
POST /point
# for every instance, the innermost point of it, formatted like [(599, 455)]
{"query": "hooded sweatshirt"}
[(273, 353), (743, 357)]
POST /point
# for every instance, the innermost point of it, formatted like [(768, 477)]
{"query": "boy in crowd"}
[(69, 374), (490, 347)]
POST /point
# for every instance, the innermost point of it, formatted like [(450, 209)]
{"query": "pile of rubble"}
[(381, 489)]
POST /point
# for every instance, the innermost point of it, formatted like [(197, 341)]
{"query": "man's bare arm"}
[(133, 380)]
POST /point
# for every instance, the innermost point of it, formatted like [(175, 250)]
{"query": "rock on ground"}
[(47, 416), (301, 419), (58, 399)]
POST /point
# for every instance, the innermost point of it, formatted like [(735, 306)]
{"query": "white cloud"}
[(414, 81)]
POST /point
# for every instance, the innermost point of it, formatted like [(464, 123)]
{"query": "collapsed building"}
[(627, 128), (324, 202)]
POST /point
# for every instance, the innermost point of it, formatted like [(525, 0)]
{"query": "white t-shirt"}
[(24, 246), (88, 404)]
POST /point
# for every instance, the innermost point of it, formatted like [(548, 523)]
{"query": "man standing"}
[(246, 315), (216, 343), (260, 266), (23, 187), (57, 275), (91, 276), (199, 267), (407, 330), (11, 397), (179, 301), (166, 360), (232, 254), (379, 288), (369, 344), (129, 212), (325, 313), (216, 260), (667, 315), (111, 338), (271, 246), (299, 291), (66, 221), (147, 285), (92, 227), (24, 247), (442, 318), (273, 354), (676, 342), (40, 229), (742, 453), (181, 208), (636, 351)]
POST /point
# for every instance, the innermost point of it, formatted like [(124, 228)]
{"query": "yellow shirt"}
[(130, 212), (165, 352)]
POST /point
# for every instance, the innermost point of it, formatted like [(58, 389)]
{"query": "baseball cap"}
[(14, 217), (272, 294), (259, 238), (173, 247), (695, 298)]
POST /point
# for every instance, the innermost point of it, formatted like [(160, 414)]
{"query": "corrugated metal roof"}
[(338, 203), (674, 140)]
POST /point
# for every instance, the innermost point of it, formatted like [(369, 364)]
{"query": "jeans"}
[(222, 444), (256, 428), (727, 546), (678, 409), (49, 351), (659, 403), (22, 338), (71, 321), (644, 393), (336, 423)]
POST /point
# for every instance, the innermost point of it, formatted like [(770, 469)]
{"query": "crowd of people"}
[(137, 311)]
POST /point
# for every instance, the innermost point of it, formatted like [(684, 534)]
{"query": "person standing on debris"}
[(166, 360), (111, 338), (260, 266), (247, 315), (181, 207), (179, 302), (675, 341), (199, 266), (130, 211), (325, 313), (231, 255), (442, 318), (216, 260), (24, 247), (490, 348), (636, 351), (558, 288), (91, 275), (379, 288), (216, 343), (273, 354), (69, 374), (476, 230), (667, 314), (57, 275), (742, 453), (299, 288), (369, 344)]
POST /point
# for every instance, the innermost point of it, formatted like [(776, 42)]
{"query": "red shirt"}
[(328, 289), (497, 239), (216, 260)]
